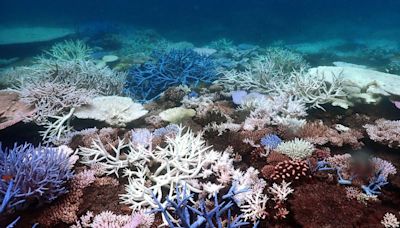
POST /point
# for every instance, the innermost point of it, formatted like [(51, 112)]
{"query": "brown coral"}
[(12, 109), (322, 205)]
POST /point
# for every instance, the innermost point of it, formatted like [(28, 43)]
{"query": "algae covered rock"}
[(177, 114), (114, 110)]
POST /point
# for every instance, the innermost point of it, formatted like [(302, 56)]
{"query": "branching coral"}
[(69, 50), (185, 157), (173, 68), (190, 216), (67, 208), (51, 99), (390, 221), (320, 134), (109, 219), (385, 131), (38, 173)]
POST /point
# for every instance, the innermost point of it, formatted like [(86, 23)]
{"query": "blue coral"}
[(271, 141), (32, 174), (189, 216), (375, 185), (176, 67)]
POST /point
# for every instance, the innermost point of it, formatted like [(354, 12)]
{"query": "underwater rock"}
[(114, 110), (177, 115), (12, 109), (361, 85), (20, 35)]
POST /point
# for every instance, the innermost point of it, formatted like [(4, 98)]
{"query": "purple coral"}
[(238, 97), (271, 141), (35, 174)]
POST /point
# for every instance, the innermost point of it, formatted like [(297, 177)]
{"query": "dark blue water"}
[(255, 21)]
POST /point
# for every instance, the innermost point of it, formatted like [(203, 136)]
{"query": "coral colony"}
[(158, 133)]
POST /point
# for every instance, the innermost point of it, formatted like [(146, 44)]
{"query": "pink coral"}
[(385, 131), (65, 210)]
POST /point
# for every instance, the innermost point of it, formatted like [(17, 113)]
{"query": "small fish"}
[(7, 177)]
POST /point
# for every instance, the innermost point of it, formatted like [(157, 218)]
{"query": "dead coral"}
[(384, 131)]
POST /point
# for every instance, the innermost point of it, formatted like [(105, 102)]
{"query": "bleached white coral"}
[(114, 110), (185, 157), (281, 191), (296, 149), (390, 221), (110, 163), (69, 50), (384, 167), (254, 206), (212, 189)]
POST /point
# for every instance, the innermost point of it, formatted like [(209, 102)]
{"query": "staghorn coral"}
[(39, 173), (68, 50), (385, 131), (79, 73), (184, 157), (197, 216), (52, 98), (296, 149), (173, 68)]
